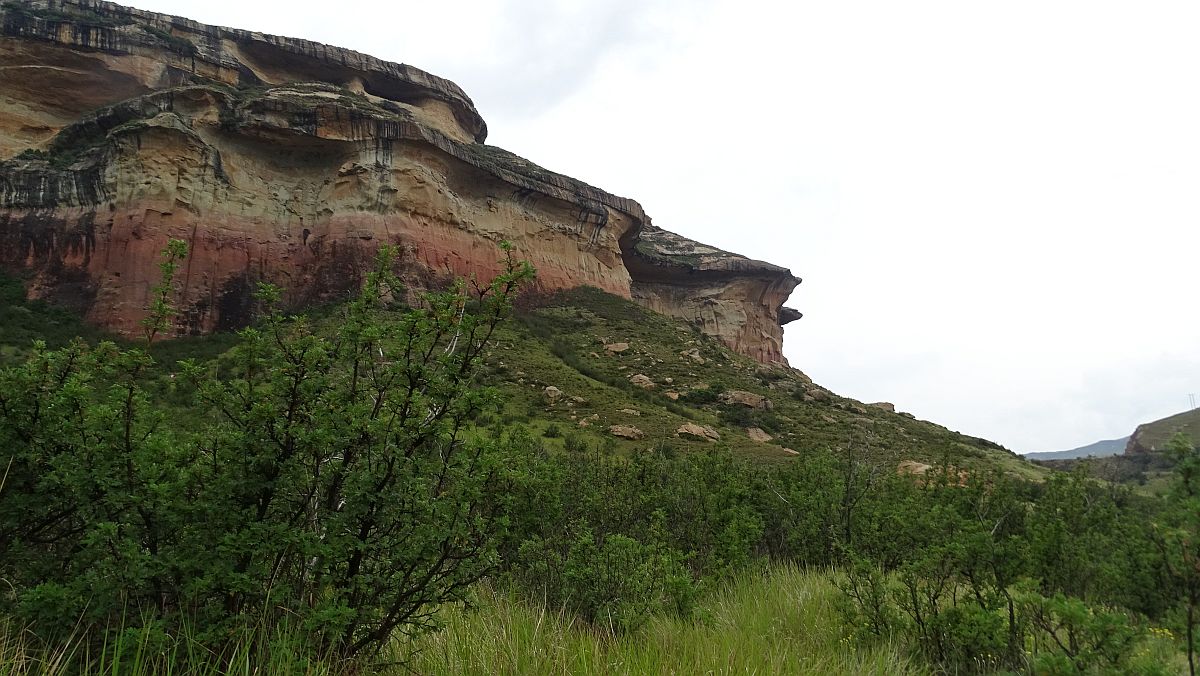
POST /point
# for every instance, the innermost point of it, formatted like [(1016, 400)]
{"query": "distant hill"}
[(1100, 449), (1154, 436)]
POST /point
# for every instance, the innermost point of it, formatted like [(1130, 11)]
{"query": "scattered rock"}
[(642, 381), (673, 396), (630, 411), (626, 432), (616, 348), (758, 434), (552, 393), (694, 355), (885, 405), (791, 452), (747, 399), (668, 380), (579, 400), (699, 431)]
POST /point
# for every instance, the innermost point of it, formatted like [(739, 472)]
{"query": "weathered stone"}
[(616, 348), (699, 431), (736, 299), (913, 467), (631, 411), (747, 399), (815, 393), (673, 396), (694, 355), (887, 406), (757, 434), (626, 432), (791, 452), (641, 380), (552, 393)]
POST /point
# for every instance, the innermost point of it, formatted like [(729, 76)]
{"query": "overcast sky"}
[(994, 205)]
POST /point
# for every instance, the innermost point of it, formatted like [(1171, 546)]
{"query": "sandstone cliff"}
[(289, 161)]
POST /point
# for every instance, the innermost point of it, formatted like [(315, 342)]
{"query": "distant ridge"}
[(1100, 449)]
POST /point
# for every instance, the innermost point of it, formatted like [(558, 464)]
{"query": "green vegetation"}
[(322, 494), (783, 620), (83, 17), (331, 482), (1159, 434)]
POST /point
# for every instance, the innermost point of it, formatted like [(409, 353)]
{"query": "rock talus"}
[(288, 161)]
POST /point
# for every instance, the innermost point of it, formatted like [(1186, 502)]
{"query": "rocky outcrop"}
[(735, 298), (288, 161), (743, 398)]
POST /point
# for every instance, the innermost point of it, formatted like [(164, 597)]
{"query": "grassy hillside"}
[(612, 543), (1154, 436), (561, 343)]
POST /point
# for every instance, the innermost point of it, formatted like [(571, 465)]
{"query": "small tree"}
[(1178, 538), (326, 475), (344, 484)]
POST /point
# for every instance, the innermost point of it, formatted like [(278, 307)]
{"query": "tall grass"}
[(784, 621), (147, 651)]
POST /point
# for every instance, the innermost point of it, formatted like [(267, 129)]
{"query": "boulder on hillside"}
[(747, 399), (641, 380), (551, 393), (885, 405), (699, 431), (616, 348), (758, 434), (626, 432)]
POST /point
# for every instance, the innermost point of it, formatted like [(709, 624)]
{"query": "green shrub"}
[(613, 581), (330, 481)]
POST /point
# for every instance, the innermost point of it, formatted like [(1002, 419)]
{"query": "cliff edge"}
[(289, 161)]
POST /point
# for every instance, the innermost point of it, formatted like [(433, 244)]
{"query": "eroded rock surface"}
[(288, 161)]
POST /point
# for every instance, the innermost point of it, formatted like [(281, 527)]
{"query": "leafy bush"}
[(330, 479), (614, 581)]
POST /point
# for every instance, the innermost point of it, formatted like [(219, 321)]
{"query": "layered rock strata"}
[(288, 161)]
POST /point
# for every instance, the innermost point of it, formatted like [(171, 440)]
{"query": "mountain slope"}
[(1154, 436), (1099, 449), (589, 347)]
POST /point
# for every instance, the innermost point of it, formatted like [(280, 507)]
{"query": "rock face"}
[(288, 161), (737, 299)]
